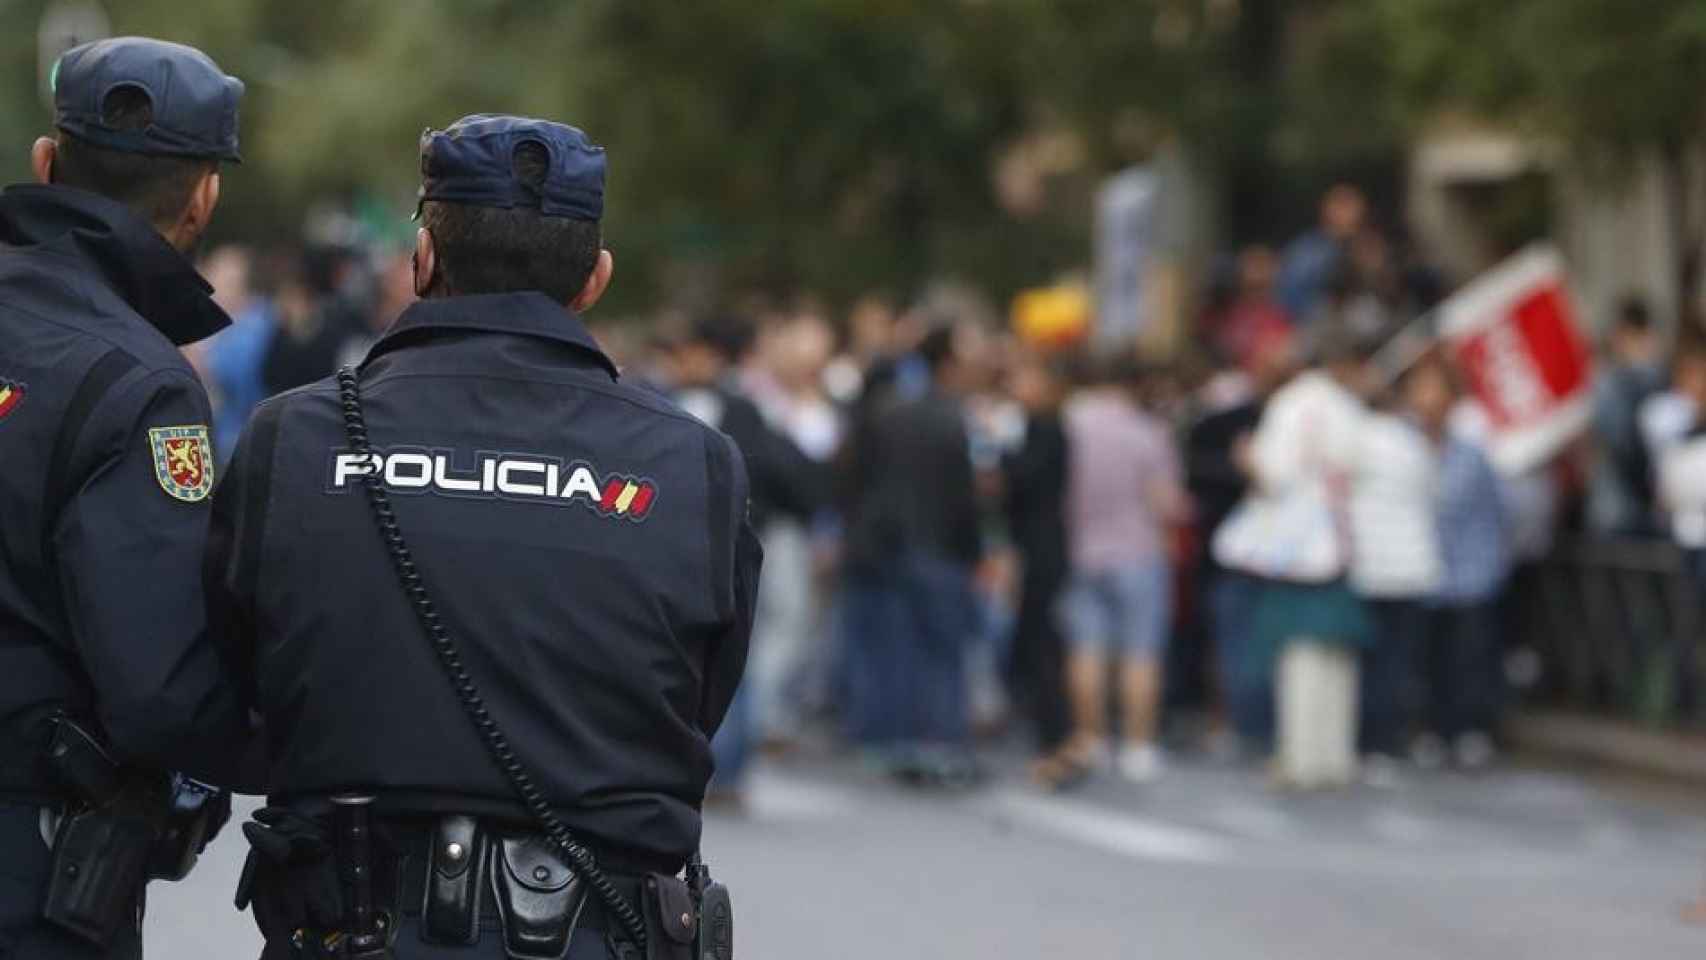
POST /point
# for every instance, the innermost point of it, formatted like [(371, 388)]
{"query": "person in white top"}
[(1293, 533), (787, 661), (1682, 466), (1395, 566)]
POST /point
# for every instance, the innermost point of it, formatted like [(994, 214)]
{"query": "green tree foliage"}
[(838, 144), (1611, 79), (1600, 72), (823, 144), (818, 144), (834, 145)]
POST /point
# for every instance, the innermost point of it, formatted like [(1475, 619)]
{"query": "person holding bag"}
[(1291, 531)]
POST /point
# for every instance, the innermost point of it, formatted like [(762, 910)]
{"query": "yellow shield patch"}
[(183, 461)]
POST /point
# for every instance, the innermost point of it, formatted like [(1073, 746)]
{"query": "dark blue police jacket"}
[(584, 540), (105, 483)]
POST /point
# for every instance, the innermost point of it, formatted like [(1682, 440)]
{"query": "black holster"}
[(100, 863), (105, 840), (121, 828)]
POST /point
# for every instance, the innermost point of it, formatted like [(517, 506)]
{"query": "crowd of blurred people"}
[(966, 533)]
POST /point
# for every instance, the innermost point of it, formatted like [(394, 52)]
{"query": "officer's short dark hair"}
[(493, 250), (157, 187)]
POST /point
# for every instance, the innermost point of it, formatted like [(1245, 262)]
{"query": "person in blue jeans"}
[(912, 544), (1246, 669), (1461, 655), (1216, 446), (785, 483)]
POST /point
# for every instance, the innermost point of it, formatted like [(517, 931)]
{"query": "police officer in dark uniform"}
[(565, 556), (105, 477)]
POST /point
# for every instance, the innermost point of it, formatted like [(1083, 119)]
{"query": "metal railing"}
[(1617, 626)]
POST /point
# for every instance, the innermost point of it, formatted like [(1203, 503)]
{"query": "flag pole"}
[(1401, 352)]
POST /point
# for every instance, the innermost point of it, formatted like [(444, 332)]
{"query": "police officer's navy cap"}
[(193, 101), (473, 162)]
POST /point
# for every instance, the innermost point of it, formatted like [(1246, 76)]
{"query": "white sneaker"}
[(1140, 763), (1475, 751)]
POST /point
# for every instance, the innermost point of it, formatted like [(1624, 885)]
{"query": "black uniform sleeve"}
[(129, 551), (736, 563), (231, 570)]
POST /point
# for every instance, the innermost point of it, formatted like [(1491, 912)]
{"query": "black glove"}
[(291, 876)]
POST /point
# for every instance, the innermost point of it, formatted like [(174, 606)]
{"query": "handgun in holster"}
[(105, 837), (120, 828)]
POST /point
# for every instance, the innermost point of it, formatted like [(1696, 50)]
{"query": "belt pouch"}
[(539, 897), (99, 863), (456, 869), (670, 918)]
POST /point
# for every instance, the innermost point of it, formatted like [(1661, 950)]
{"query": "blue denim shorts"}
[(1125, 610)]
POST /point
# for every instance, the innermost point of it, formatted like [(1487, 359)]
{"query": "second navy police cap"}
[(473, 162), (194, 102)]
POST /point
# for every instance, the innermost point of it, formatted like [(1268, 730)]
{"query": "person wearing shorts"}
[(1124, 493)]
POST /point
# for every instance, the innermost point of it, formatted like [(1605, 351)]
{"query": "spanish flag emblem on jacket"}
[(11, 394), (626, 498)]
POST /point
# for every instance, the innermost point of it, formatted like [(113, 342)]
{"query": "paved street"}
[(832, 863)]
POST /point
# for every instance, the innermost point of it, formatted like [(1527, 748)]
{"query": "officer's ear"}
[(197, 214), (596, 283), (42, 153), (425, 261)]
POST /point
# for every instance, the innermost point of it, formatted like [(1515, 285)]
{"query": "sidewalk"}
[(1609, 742)]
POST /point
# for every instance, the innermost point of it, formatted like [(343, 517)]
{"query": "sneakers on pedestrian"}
[(1139, 763), (1428, 752), (1475, 751)]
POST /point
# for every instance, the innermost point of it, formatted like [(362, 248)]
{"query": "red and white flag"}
[(1514, 334)]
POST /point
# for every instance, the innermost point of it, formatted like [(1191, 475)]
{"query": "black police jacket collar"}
[(133, 258), (528, 314)]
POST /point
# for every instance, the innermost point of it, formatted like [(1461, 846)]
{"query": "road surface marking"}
[(1117, 833), (1397, 826), (1256, 821)]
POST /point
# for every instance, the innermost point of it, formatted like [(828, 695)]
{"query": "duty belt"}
[(465, 878)]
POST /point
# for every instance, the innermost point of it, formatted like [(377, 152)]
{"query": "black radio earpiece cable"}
[(385, 518)]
